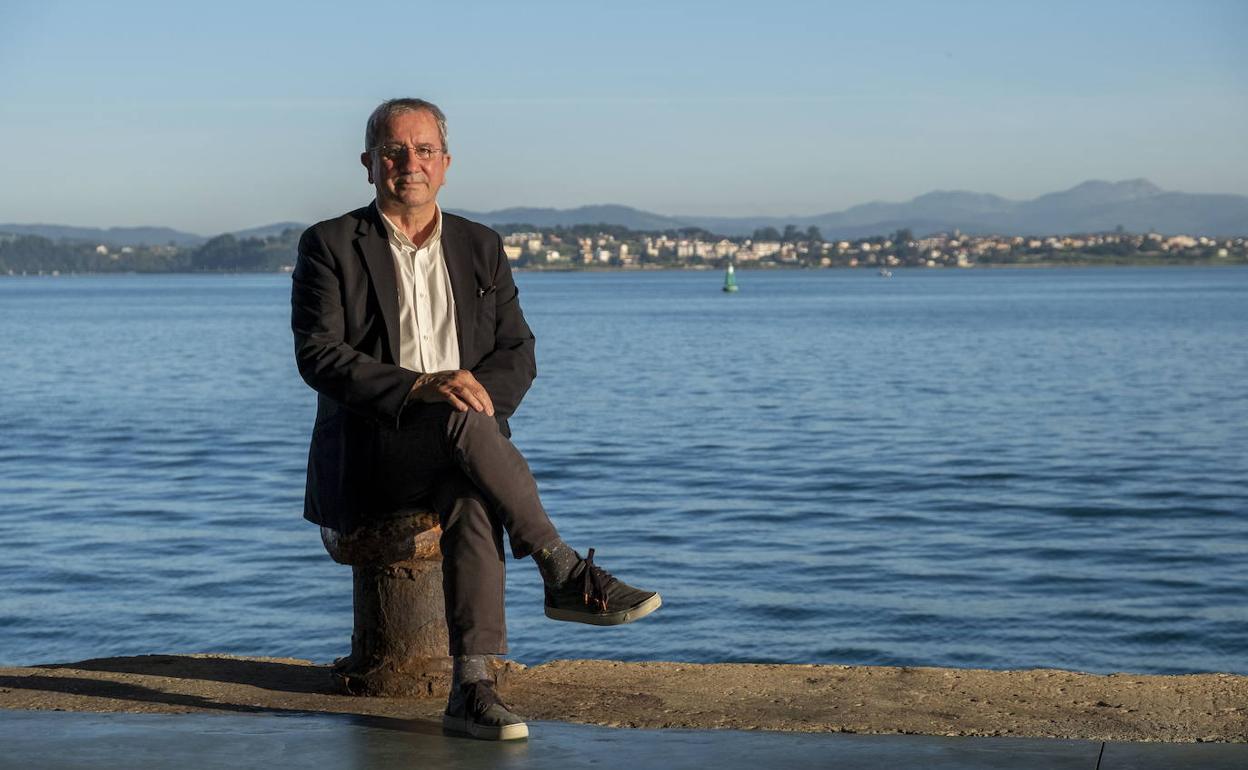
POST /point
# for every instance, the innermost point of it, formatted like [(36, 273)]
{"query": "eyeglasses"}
[(397, 152)]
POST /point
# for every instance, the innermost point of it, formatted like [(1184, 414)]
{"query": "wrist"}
[(414, 391)]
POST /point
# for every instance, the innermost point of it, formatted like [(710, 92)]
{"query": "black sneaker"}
[(475, 709), (591, 595)]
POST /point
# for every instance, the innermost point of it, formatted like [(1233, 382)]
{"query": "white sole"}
[(608, 618), (485, 732)]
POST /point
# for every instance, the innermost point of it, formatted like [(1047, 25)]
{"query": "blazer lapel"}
[(374, 248), (457, 254)]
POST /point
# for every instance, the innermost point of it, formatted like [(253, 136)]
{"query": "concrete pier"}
[(732, 715)]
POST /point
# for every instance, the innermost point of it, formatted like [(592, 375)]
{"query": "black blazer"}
[(344, 314)]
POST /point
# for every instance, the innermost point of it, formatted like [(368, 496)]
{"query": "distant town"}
[(589, 247), (600, 247)]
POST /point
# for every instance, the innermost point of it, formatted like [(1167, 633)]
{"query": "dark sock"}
[(470, 668), (556, 562)]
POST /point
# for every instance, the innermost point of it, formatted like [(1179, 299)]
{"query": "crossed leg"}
[(481, 487)]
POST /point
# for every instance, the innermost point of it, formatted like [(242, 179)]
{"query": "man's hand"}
[(458, 387)]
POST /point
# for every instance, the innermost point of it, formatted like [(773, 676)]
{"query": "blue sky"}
[(225, 116)]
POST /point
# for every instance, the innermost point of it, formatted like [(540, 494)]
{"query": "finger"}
[(460, 389), (471, 389), (471, 398), (482, 396), (455, 402)]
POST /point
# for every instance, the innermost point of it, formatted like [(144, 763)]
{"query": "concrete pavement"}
[(58, 740)]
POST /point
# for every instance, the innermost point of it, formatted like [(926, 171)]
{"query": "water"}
[(980, 468)]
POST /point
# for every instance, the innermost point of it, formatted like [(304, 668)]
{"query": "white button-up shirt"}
[(427, 340)]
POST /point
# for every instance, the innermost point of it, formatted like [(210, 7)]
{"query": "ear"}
[(366, 160)]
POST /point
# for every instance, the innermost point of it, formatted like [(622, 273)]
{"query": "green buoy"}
[(730, 279)]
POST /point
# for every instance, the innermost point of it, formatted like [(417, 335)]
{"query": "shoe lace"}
[(596, 582), (479, 696)]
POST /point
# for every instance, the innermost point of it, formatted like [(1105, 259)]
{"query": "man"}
[(407, 323)]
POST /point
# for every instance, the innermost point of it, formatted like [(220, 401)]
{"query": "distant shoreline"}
[(602, 247), (697, 269)]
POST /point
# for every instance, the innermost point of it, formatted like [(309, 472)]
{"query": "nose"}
[(409, 161)]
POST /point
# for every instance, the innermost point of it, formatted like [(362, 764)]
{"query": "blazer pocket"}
[(486, 309)]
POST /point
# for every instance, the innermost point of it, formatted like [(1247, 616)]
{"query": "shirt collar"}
[(399, 238)]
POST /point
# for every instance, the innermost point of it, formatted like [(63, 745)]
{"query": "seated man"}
[(408, 325)]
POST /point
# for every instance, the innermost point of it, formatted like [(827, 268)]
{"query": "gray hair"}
[(392, 108)]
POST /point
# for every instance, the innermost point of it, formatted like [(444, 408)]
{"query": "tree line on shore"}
[(24, 254), (33, 254)]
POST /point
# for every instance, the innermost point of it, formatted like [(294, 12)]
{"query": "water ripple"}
[(980, 469)]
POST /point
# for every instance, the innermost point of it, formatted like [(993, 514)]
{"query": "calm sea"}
[(979, 468)]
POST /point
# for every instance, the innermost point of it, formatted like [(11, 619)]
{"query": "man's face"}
[(405, 182)]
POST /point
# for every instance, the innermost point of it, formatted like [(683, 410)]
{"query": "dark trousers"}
[(480, 485)]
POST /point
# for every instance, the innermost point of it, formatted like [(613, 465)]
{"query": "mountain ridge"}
[(1137, 205)]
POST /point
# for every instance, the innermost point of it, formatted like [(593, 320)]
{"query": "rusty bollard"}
[(399, 643)]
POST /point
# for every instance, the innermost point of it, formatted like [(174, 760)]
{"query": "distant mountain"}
[(1137, 205), (1098, 193), (1094, 206), (932, 212), (113, 236), (941, 204), (139, 236), (624, 216), (268, 231)]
